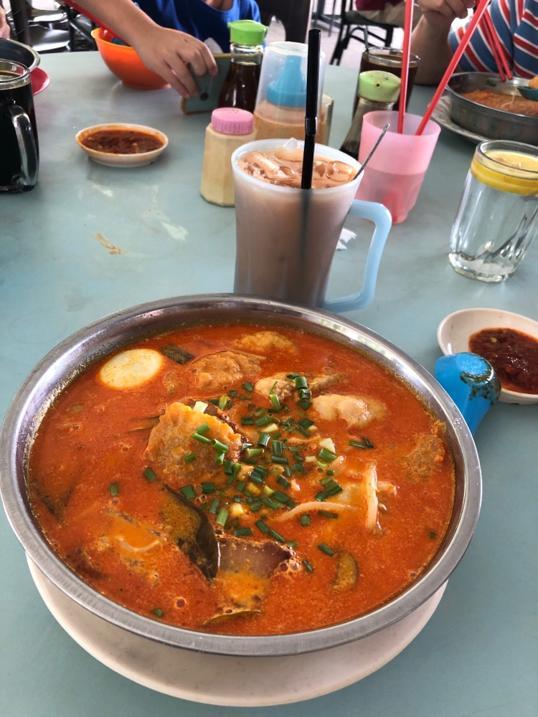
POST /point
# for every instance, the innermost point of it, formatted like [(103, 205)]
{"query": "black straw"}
[(311, 114)]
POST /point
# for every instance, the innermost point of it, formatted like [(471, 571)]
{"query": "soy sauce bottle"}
[(241, 84)]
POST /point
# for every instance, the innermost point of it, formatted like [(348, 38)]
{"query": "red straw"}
[(456, 57), (406, 51), (488, 37), (497, 49)]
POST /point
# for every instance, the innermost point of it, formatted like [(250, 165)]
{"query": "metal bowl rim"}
[(272, 645), (476, 106), (36, 56)]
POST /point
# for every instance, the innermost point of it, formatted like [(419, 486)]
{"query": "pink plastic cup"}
[(396, 171)]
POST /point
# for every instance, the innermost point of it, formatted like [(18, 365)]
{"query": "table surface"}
[(477, 656)]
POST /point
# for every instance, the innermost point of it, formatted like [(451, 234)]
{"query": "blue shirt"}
[(199, 19)]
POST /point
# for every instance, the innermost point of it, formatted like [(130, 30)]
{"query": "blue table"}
[(58, 272)]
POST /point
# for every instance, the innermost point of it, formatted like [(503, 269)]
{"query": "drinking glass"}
[(388, 59), (497, 218)]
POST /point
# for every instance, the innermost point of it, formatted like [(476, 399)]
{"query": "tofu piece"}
[(224, 369), (354, 410), (428, 453), (172, 439), (263, 342), (130, 369)]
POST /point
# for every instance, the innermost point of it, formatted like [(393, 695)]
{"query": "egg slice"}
[(130, 369)]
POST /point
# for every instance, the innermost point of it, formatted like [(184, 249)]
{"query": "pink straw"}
[(406, 51), (497, 49), (456, 57)]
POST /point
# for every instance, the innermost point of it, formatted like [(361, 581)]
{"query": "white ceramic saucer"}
[(140, 159), (455, 330), (220, 680)]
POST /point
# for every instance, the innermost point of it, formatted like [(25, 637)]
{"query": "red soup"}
[(213, 476)]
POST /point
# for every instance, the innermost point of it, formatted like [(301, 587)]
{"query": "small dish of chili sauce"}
[(513, 354)]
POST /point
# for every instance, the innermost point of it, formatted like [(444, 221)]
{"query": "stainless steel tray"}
[(487, 121)]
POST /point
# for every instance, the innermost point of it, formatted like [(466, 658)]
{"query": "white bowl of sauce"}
[(507, 340), (121, 144)]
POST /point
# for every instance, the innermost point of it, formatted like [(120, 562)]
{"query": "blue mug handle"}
[(380, 216)]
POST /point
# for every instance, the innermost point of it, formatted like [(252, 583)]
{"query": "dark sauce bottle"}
[(241, 84)]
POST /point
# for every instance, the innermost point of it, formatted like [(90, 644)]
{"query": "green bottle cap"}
[(379, 86), (247, 32)]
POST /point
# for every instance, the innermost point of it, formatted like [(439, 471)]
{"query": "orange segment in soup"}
[(261, 481)]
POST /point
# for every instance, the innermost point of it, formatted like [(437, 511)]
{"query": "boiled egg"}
[(130, 369)]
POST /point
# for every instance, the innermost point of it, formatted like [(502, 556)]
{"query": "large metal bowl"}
[(17, 52), (73, 355), (487, 121)]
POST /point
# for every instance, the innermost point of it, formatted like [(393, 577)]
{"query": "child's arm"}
[(170, 53)]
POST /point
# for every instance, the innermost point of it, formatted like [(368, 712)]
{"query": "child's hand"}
[(175, 55)]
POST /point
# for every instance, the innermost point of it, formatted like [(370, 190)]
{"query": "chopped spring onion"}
[(329, 472), (255, 506), (270, 503), (328, 492), (287, 471), (149, 474), (279, 538), (308, 565), (267, 490), (253, 453), (222, 517), (275, 402), (328, 443), (190, 458), (188, 492), (157, 612), (279, 460), (224, 402), (208, 487), (301, 382), (242, 532), (201, 438), (263, 421), (283, 482), (326, 549), (114, 489), (202, 429), (278, 448), (363, 442), (200, 406), (272, 428), (220, 447), (248, 387), (213, 508), (262, 526), (281, 497), (326, 456), (247, 421), (305, 520), (228, 468), (264, 439), (241, 486), (220, 458), (233, 393)]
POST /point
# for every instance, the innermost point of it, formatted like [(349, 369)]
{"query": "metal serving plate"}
[(73, 355), (487, 121)]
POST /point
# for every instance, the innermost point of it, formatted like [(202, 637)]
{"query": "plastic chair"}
[(354, 26), (293, 14)]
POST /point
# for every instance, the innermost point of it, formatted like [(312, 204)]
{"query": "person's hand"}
[(175, 56), (442, 13), (4, 27)]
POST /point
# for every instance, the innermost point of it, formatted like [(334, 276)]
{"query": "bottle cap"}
[(247, 32), (289, 88), (379, 86), (230, 120)]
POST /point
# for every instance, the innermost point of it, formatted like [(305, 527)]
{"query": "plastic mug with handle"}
[(286, 236)]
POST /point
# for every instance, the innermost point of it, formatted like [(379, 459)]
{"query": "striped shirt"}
[(516, 23)]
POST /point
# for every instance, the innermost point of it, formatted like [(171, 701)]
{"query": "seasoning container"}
[(241, 84), (378, 91), (229, 129), (280, 104)]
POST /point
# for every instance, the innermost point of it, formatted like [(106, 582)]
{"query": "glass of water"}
[(498, 214)]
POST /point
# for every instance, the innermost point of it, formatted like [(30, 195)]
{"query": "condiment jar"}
[(378, 90), (241, 84), (280, 104), (229, 129)]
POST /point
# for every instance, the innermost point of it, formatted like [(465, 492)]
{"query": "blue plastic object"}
[(471, 382), (380, 216), (289, 88)]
